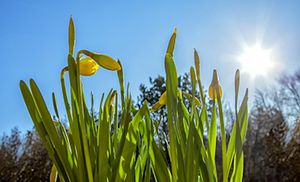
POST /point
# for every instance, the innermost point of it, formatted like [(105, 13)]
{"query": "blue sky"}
[(33, 43)]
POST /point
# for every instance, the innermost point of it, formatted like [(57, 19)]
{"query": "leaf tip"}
[(175, 30)]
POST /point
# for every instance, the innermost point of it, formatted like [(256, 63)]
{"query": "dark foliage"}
[(23, 160)]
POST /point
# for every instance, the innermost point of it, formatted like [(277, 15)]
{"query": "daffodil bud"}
[(161, 102), (171, 45), (112, 99), (214, 87), (197, 63), (103, 60), (111, 102), (71, 36), (88, 66)]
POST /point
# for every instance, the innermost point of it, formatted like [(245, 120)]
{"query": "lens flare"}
[(256, 61)]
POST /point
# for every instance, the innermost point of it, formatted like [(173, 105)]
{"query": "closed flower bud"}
[(88, 67), (214, 87)]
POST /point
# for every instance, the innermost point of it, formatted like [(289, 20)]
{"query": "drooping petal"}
[(104, 61)]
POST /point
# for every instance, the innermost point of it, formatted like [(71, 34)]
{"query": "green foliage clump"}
[(122, 143)]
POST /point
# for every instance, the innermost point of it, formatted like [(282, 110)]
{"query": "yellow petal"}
[(212, 91), (214, 87), (88, 67), (161, 102), (163, 98), (53, 174), (156, 106)]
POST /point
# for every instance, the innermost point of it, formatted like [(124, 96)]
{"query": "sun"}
[(256, 61)]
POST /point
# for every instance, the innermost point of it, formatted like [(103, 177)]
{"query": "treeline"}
[(272, 147), (23, 158)]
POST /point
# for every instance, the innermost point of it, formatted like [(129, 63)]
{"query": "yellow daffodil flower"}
[(92, 62), (88, 66), (214, 86), (163, 100)]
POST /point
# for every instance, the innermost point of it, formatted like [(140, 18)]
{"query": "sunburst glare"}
[(256, 61)]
